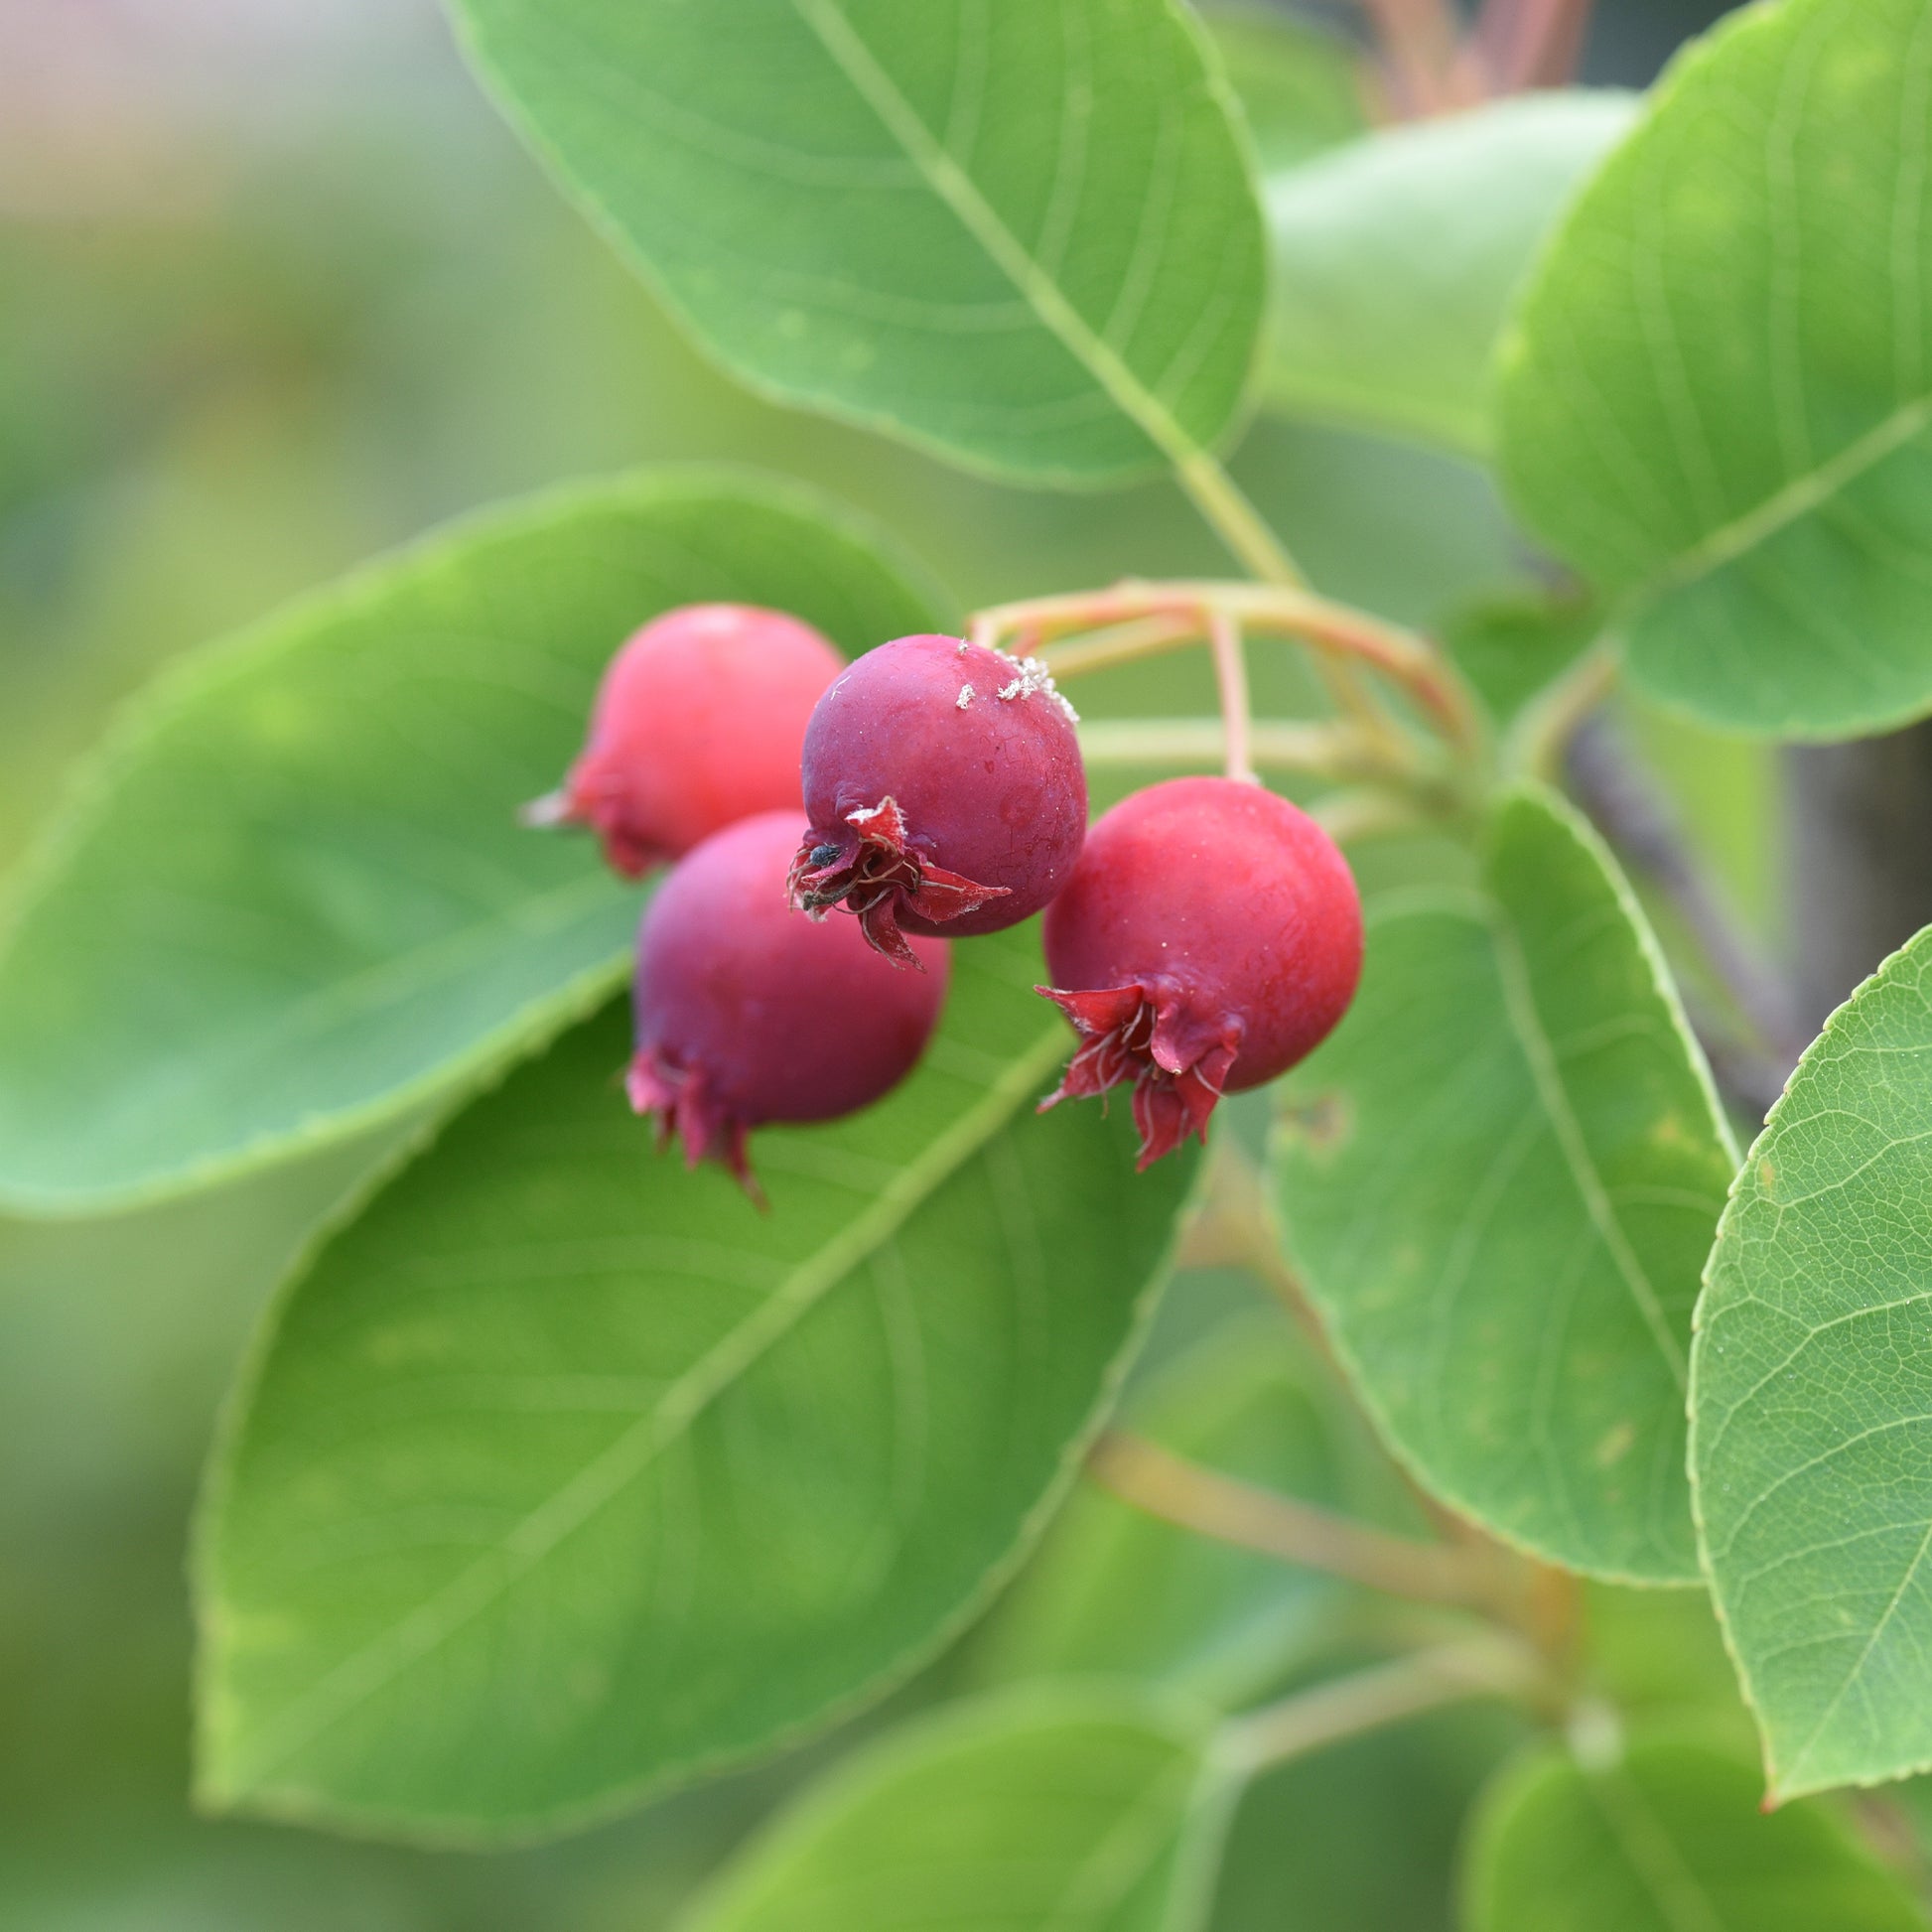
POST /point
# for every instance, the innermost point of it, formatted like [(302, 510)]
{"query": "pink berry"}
[(697, 724), (1210, 937), (945, 791), (747, 1013)]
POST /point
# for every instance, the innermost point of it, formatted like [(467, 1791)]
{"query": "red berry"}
[(697, 724), (945, 791), (1210, 936), (747, 1013)]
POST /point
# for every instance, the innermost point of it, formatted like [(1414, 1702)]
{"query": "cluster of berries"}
[(1203, 936)]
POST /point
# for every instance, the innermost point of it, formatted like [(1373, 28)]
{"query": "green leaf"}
[(1501, 1179), (567, 1476), (1810, 1396), (1671, 1838), (1397, 258), (1023, 236), (1042, 1810), (1718, 401), (1114, 1592), (292, 900), (1300, 87)]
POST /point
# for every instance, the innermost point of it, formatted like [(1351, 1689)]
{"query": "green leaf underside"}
[(1670, 1840), (567, 1474), (293, 898), (1811, 1398), (1075, 1810), (1500, 1179), (1115, 1593), (1300, 87), (1026, 237), (1718, 401), (1397, 258)]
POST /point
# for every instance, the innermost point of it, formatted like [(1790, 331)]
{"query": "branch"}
[(1178, 1491), (1633, 812), (1531, 43), (1303, 1723)]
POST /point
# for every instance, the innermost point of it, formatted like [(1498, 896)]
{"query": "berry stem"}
[(1335, 630), (1231, 678)]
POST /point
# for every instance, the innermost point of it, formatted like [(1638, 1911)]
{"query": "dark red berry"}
[(1210, 936), (698, 723), (747, 1013), (945, 791)]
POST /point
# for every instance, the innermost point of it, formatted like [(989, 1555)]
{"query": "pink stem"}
[(1231, 675)]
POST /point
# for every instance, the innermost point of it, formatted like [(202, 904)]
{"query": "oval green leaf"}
[(292, 900), (1116, 1593), (1718, 401), (566, 1474), (1041, 1809), (1669, 1839), (1500, 1179), (1023, 236), (1397, 258), (1811, 1411)]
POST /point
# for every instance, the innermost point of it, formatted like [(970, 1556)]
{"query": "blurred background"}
[(277, 290)]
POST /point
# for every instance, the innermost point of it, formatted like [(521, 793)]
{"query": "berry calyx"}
[(945, 791), (747, 1015), (1209, 938), (698, 723)]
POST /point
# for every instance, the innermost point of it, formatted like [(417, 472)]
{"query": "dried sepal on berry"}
[(875, 873), (1143, 1032)]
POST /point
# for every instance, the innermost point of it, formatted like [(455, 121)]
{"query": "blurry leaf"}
[(1810, 1390), (1501, 1179), (641, 1480), (1717, 401), (1115, 1591), (1041, 1809), (1510, 648), (1398, 257), (1300, 87), (1023, 236), (1362, 1835), (292, 900), (1669, 1840)]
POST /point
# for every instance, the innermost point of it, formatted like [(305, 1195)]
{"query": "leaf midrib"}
[(1795, 500), (1527, 1025), (960, 193), (362, 1674)]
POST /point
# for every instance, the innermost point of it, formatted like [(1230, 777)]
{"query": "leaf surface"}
[(1811, 1430), (1718, 401), (292, 900), (1399, 255), (566, 1474), (1023, 236), (1670, 1840), (1501, 1179), (1041, 1809)]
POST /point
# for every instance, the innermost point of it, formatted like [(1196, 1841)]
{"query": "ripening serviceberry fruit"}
[(747, 1013), (698, 723), (1210, 937), (945, 791)]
